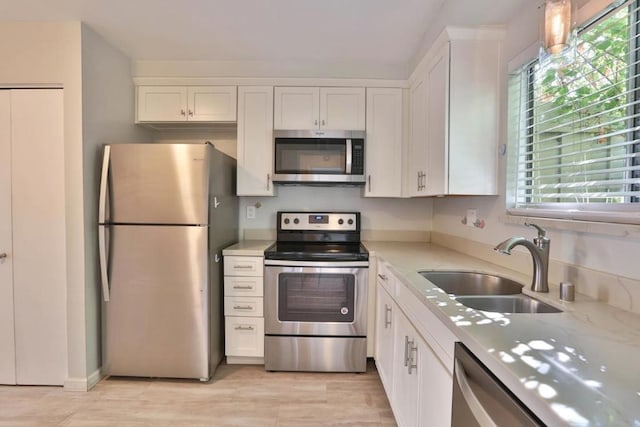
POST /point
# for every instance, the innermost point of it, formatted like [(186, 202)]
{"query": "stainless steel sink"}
[(507, 304), (469, 283)]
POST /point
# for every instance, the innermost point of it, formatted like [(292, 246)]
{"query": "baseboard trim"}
[(237, 360), (83, 384)]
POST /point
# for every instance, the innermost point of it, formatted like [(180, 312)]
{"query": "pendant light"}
[(558, 30)]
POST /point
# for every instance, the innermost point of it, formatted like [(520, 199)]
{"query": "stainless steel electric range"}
[(315, 298)]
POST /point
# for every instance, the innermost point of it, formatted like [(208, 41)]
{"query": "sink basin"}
[(507, 304), (469, 283)]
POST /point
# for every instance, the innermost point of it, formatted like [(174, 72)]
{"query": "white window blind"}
[(577, 127)]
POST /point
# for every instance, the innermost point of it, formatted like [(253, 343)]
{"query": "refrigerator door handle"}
[(102, 229), (102, 245), (102, 204)]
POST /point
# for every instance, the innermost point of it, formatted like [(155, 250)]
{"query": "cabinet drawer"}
[(244, 336), (243, 266), (243, 306), (386, 278), (239, 286)]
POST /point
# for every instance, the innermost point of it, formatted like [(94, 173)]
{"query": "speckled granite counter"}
[(578, 367)]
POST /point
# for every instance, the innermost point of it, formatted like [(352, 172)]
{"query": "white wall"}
[(594, 250), (107, 116), (37, 53)]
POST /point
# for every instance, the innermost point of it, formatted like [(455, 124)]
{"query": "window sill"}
[(623, 229)]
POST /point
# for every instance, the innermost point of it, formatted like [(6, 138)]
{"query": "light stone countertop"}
[(248, 248), (578, 367)]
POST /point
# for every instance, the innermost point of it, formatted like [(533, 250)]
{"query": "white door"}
[(385, 312), (7, 343), (39, 236), (384, 143), (342, 108), (255, 141), (418, 138), (211, 104), (296, 108), (162, 104), (437, 124), (436, 386), (405, 378)]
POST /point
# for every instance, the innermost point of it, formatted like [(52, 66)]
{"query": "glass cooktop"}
[(305, 251)]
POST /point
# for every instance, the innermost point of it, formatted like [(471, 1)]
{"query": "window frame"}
[(623, 213)]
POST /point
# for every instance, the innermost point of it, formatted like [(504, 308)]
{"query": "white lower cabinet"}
[(417, 382), (243, 309)]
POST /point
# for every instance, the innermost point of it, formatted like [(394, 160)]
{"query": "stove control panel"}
[(340, 221)]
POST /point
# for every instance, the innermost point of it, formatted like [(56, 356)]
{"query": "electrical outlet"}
[(251, 212), (472, 217)]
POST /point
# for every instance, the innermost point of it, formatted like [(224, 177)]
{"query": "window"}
[(575, 130)]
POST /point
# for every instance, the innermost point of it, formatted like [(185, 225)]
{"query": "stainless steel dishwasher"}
[(480, 399)]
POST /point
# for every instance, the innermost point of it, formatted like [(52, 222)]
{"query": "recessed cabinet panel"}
[(384, 143), (342, 108), (162, 104), (212, 104), (244, 336), (255, 141), (296, 108)]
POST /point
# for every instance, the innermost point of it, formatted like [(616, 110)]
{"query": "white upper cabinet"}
[(255, 141), (454, 115), (311, 108), (383, 149), (186, 104)]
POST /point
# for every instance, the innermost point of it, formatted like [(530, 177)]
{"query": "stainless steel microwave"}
[(322, 157)]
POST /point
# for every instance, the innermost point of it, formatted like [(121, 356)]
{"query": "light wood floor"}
[(237, 396)]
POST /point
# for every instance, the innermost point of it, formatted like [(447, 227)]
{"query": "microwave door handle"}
[(348, 158)]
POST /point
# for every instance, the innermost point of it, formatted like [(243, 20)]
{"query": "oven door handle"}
[(329, 264)]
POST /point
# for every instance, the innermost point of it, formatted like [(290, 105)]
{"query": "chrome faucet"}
[(539, 251)]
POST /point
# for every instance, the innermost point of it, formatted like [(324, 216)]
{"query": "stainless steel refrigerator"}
[(166, 211)]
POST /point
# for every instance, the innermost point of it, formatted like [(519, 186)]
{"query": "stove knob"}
[(296, 221), (350, 222), (341, 221), (286, 221)]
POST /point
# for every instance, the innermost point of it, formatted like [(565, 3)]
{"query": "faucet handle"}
[(541, 231)]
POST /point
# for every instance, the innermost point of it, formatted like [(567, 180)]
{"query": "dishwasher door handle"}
[(479, 412)]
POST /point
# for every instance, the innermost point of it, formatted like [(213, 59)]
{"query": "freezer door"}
[(158, 183), (158, 312)]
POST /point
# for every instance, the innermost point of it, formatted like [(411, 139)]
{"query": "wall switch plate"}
[(251, 212), (472, 217)]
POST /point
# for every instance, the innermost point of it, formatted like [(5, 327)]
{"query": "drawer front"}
[(243, 306), (243, 266), (239, 286), (244, 336)]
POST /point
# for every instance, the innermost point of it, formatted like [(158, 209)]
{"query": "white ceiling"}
[(371, 31)]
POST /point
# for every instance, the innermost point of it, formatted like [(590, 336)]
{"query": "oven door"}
[(316, 298)]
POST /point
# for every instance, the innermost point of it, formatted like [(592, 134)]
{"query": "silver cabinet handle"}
[(382, 276), (243, 307), (3, 256), (412, 363), (479, 412), (191, 113), (369, 182), (418, 181), (387, 317), (242, 267), (244, 328), (322, 122), (182, 112), (406, 351), (268, 181), (243, 287), (315, 123)]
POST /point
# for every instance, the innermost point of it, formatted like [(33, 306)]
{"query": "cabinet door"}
[(211, 103), (244, 336), (418, 137), (296, 108), (255, 141), (405, 395), (437, 108), (435, 389), (162, 104), (385, 312), (7, 333), (384, 143), (342, 108)]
